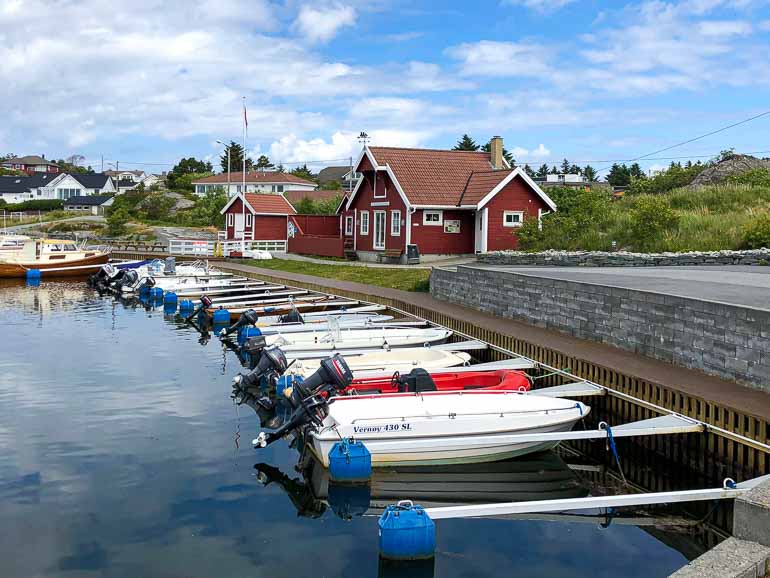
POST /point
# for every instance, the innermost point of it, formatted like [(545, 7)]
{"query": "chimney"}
[(496, 152)]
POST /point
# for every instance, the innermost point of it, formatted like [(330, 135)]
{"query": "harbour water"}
[(122, 454)]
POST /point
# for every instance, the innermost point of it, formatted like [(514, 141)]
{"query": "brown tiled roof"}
[(266, 203), (432, 177), (317, 195), (258, 177), (481, 183)]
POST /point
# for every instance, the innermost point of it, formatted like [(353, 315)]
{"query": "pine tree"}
[(590, 173), (466, 143), (575, 170), (565, 166), (636, 171), (264, 163), (554, 170), (619, 176), (529, 171), (236, 159), (303, 172), (542, 172)]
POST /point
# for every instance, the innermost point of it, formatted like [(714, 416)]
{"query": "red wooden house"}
[(264, 217), (445, 202)]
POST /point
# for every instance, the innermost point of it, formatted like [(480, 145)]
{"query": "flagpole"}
[(243, 184)]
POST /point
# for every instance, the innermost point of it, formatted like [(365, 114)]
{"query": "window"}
[(435, 218), (248, 219), (364, 222), (348, 225), (513, 218), (395, 223), (230, 219)]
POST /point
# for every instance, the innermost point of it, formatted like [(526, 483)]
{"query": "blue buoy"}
[(33, 273), (286, 381), (350, 461), (186, 305), (244, 333), (170, 298), (144, 290), (406, 532), (156, 293), (221, 317)]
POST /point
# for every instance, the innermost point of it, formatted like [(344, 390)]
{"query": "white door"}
[(479, 231), (379, 230), (239, 222)]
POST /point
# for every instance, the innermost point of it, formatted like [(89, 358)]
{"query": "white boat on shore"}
[(442, 427), (357, 339)]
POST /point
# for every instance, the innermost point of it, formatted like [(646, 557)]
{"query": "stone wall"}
[(624, 259), (724, 340)]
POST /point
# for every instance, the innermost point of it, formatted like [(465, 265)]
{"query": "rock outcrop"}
[(733, 165)]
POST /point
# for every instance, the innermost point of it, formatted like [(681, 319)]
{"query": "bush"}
[(651, 217), (756, 233), (36, 205), (156, 206), (116, 222), (674, 177), (754, 178)]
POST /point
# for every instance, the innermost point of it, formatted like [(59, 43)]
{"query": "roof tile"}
[(271, 204)]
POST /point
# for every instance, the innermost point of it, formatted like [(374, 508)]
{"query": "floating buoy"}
[(156, 293), (406, 532), (221, 317), (170, 298), (350, 461), (246, 332), (33, 273), (186, 305)]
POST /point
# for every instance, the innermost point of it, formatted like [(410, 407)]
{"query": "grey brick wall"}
[(724, 340), (623, 259)]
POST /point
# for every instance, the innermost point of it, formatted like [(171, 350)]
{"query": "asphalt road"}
[(736, 284)]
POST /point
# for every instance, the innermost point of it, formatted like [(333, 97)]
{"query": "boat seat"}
[(416, 381)]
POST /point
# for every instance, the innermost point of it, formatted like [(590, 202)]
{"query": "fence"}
[(323, 245), (212, 248)]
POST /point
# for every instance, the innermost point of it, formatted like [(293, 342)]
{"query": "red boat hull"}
[(501, 379)]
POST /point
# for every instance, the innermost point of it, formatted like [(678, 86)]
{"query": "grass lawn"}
[(404, 279)]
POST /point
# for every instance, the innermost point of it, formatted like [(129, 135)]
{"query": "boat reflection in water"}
[(542, 476)]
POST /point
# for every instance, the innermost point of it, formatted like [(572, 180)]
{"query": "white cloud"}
[(540, 152), (540, 5), (492, 58), (322, 24), (764, 25), (720, 28), (522, 154)]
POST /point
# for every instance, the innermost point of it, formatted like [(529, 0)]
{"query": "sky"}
[(147, 82)]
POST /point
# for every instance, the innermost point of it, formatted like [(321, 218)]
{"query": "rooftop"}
[(252, 178)]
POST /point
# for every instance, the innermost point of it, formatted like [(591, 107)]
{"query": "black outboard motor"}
[(248, 317), (251, 351), (126, 278), (272, 364), (333, 375), (205, 304), (292, 316)]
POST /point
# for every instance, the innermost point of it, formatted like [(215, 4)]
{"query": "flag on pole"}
[(245, 117)]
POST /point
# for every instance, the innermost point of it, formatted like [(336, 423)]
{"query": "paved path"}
[(734, 284), (727, 393)]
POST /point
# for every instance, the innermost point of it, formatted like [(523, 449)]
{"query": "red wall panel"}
[(516, 196), (432, 240)]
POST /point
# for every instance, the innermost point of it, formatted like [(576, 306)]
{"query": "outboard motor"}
[(170, 268), (292, 316), (126, 278), (272, 364), (205, 300), (102, 276), (251, 351), (248, 317), (333, 375)]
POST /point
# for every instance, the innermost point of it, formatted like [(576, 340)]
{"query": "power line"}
[(665, 158)]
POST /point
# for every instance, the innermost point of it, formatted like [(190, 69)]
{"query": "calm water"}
[(120, 455)]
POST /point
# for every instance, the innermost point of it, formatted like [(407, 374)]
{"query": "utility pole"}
[(102, 164), (228, 147)]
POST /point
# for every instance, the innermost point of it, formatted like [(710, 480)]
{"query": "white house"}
[(256, 182), (80, 185), (133, 176), (17, 189), (566, 178)]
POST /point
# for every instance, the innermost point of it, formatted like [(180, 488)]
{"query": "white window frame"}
[(439, 223), (395, 223), (349, 225), (249, 219), (516, 224), (375, 245), (364, 221), (230, 220)]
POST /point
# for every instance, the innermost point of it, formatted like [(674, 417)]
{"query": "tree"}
[(554, 170), (590, 173), (264, 163), (529, 171), (187, 166), (185, 182), (466, 143), (542, 172), (116, 222), (487, 148), (205, 213), (651, 217), (575, 170), (636, 171), (331, 186), (303, 172), (280, 169), (565, 165), (71, 165), (619, 176), (236, 159)]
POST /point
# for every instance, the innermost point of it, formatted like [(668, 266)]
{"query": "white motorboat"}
[(402, 359), (320, 316), (357, 339), (359, 321), (442, 427)]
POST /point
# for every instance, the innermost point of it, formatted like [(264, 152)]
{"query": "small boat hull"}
[(73, 268)]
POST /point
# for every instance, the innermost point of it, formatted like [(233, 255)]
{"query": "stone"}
[(751, 515), (732, 558)]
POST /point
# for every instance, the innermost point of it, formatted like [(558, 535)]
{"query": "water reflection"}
[(118, 457)]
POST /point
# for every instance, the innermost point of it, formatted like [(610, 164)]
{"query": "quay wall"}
[(624, 259), (728, 341)]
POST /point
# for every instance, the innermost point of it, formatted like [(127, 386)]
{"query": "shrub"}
[(672, 178), (36, 205), (754, 177), (756, 233), (116, 221), (651, 217)]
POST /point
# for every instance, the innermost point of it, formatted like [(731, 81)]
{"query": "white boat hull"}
[(402, 360), (444, 428), (357, 339)]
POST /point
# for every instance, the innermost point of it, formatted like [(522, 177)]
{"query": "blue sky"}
[(151, 81)]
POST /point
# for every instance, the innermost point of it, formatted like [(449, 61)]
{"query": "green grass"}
[(404, 279)]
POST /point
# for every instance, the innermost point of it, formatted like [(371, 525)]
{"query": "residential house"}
[(263, 218), (295, 196), (444, 202), (81, 184), (256, 182), (133, 176), (95, 204), (343, 175), (17, 189), (30, 164)]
